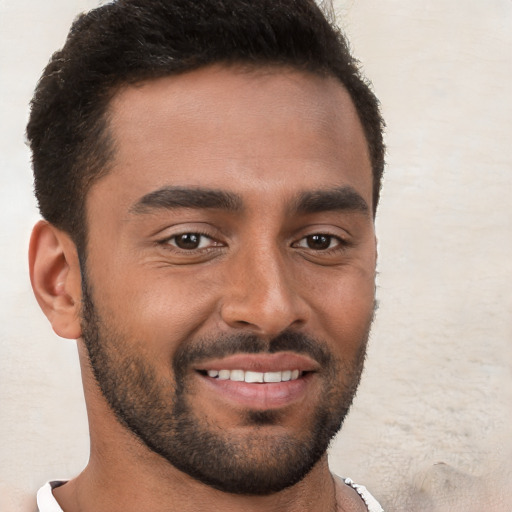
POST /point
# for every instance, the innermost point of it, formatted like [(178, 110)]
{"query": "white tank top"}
[(46, 502)]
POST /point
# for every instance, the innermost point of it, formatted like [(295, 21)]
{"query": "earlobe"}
[(55, 278)]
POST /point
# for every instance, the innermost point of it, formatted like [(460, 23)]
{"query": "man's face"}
[(230, 271)]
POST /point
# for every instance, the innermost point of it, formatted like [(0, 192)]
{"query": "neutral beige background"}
[(431, 427)]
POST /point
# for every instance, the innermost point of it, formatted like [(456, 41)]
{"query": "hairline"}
[(108, 141)]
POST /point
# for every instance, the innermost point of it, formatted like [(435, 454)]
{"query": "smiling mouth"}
[(254, 377)]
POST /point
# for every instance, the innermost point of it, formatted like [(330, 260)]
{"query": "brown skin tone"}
[(266, 136)]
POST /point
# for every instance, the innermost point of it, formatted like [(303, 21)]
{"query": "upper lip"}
[(261, 362)]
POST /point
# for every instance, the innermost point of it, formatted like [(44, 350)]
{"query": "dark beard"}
[(158, 411)]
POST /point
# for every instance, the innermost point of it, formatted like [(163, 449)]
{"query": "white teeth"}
[(251, 377), (224, 374), (272, 377), (238, 375)]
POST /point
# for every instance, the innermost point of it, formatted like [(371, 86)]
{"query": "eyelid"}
[(325, 229), (341, 242), (213, 241), (168, 231), (166, 236), (173, 240)]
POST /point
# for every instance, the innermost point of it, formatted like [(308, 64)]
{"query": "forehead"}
[(226, 127)]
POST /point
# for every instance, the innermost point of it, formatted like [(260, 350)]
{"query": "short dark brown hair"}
[(128, 41)]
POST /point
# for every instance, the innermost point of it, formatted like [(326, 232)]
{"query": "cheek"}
[(344, 307), (158, 309)]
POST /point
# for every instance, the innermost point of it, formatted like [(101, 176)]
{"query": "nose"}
[(262, 294)]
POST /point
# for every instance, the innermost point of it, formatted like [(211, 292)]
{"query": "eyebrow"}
[(169, 198), (333, 199)]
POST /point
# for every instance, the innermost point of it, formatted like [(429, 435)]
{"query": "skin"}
[(266, 136)]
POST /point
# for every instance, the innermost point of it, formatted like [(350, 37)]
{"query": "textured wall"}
[(431, 420), (428, 431)]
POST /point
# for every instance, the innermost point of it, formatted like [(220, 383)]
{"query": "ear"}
[(55, 277)]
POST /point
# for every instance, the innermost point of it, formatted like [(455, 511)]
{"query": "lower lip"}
[(260, 396)]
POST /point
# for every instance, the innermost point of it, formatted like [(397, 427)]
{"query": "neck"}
[(127, 485)]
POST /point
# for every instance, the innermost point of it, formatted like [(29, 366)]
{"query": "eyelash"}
[(341, 244), (168, 241)]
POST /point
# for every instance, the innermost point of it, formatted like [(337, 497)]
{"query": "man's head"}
[(130, 41), (227, 158)]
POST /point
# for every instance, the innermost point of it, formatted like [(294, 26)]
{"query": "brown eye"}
[(190, 241), (319, 242)]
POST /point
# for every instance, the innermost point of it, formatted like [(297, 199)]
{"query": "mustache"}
[(212, 348)]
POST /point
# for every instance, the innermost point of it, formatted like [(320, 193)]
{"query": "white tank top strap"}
[(371, 503)]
